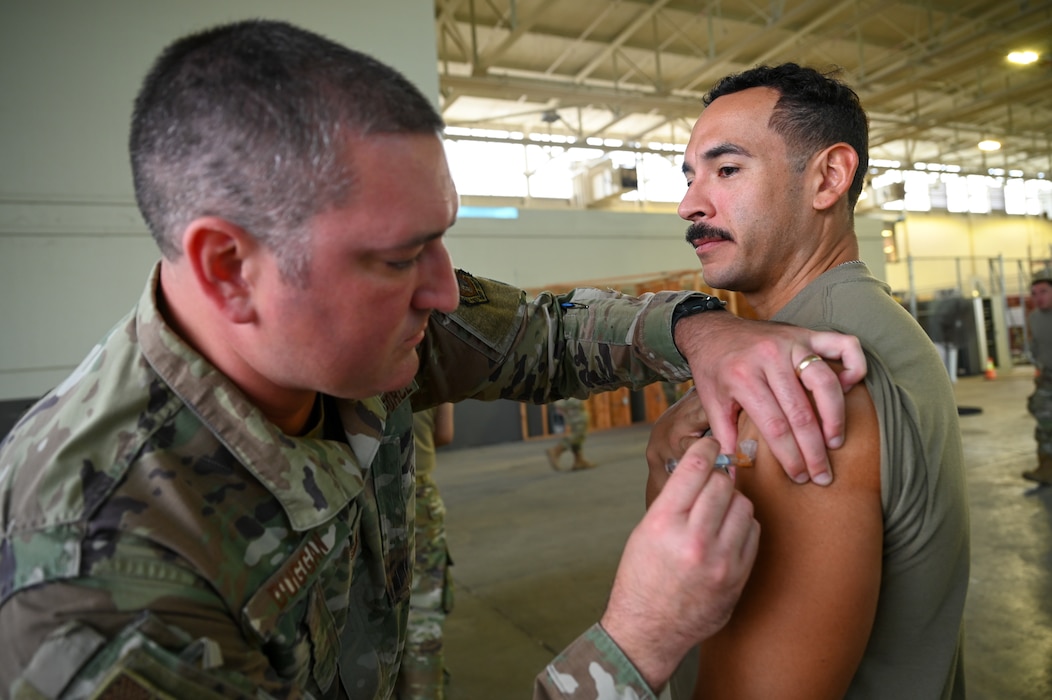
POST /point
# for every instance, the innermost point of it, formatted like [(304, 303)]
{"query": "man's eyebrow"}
[(725, 148), (417, 241), (717, 151)]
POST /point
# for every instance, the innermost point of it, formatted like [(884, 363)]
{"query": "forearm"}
[(696, 333), (444, 430), (553, 346)]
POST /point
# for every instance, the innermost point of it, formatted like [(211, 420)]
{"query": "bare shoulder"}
[(809, 605)]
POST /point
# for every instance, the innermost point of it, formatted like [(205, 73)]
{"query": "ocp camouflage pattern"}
[(591, 668), (423, 675), (1039, 404), (170, 537), (575, 418)]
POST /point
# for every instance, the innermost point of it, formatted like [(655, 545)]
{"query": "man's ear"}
[(836, 169), (219, 254)]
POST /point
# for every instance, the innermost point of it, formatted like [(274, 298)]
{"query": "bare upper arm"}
[(443, 431), (805, 616)]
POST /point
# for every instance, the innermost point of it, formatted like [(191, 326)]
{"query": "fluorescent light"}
[(989, 145), (1023, 58)]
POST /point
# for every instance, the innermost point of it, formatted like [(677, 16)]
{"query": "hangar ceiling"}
[(932, 74)]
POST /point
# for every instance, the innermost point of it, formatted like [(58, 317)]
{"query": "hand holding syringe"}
[(744, 457)]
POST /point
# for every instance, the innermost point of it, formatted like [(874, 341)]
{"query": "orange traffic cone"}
[(991, 371)]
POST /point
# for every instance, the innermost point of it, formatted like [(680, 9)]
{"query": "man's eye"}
[(403, 264), (728, 170)]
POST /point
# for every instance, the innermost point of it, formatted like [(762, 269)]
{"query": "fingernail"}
[(823, 479), (802, 478), (836, 442)]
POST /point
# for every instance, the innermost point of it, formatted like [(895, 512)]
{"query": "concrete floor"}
[(535, 551)]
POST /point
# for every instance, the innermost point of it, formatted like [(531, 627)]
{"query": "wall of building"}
[(963, 251)]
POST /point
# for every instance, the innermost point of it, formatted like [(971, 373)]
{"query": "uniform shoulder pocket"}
[(76, 662), (489, 316)]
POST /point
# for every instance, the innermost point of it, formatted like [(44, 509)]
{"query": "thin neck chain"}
[(849, 262)]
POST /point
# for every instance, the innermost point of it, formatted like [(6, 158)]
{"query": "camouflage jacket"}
[(159, 536)]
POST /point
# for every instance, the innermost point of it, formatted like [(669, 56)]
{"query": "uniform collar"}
[(313, 479)]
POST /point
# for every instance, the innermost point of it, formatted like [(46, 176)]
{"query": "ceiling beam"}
[(567, 93), (616, 43), (521, 29), (579, 41)]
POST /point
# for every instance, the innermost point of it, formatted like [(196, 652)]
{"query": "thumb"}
[(686, 482)]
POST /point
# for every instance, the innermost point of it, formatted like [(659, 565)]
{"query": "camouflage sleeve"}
[(75, 661), (591, 668), (197, 650), (500, 345)]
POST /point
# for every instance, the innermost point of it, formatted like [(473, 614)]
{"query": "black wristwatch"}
[(695, 305)]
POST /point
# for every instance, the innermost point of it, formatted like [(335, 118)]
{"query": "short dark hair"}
[(814, 110), (1042, 278), (250, 122)]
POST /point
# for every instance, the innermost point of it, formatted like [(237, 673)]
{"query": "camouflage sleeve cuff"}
[(655, 331), (592, 663)]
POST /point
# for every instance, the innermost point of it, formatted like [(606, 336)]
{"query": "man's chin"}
[(403, 375), (395, 379), (710, 274)]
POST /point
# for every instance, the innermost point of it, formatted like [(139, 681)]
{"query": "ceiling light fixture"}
[(989, 145), (1023, 58)]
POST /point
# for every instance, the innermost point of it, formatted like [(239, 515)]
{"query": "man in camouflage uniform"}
[(423, 675), (218, 502), (1039, 403), (575, 416)]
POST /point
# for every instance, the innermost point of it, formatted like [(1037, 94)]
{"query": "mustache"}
[(702, 231)]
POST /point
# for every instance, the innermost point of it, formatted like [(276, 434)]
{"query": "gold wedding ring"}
[(806, 362)]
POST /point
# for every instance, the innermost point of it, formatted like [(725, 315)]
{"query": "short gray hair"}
[(250, 122)]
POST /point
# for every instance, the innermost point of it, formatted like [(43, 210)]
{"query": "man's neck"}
[(288, 409), (794, 278)]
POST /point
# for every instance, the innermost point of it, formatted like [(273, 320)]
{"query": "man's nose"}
[(694, 205), (438, 288)]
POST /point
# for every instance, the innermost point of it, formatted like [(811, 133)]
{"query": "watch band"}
[(695, 305)]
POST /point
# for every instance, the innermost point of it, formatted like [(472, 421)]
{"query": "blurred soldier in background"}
[(1039, 404), (575, 417), (423, 675)]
